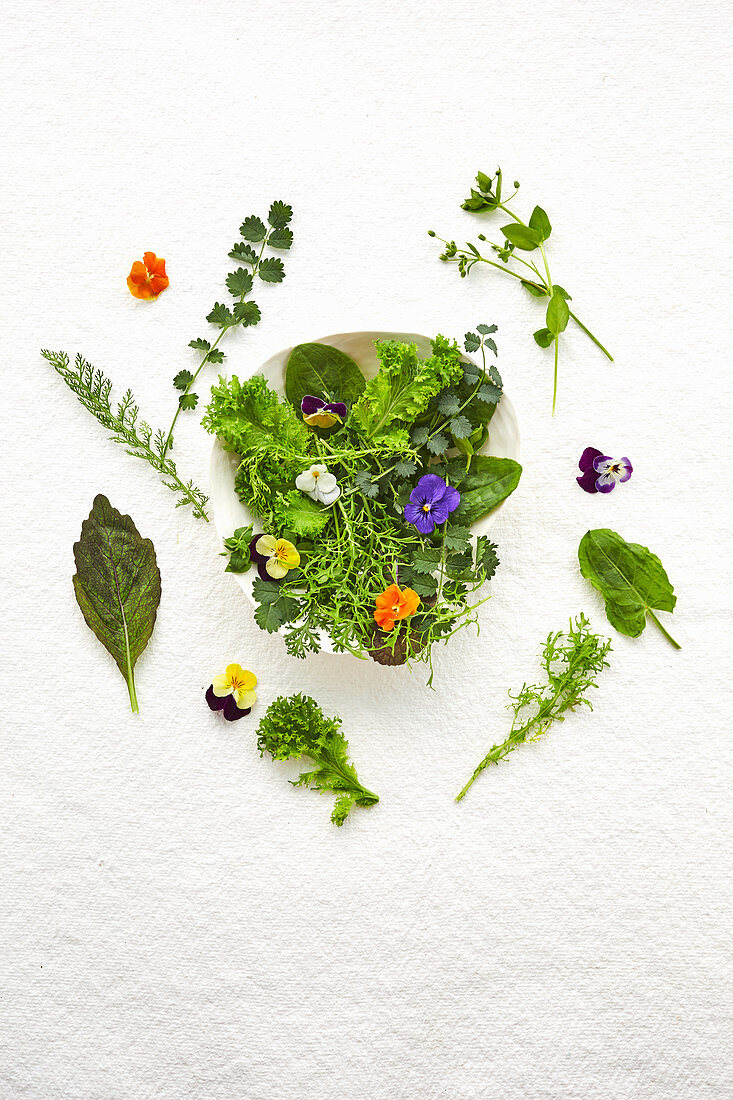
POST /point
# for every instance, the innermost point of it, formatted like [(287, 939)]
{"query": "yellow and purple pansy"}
[(322, 414), (233, 692), (273, 557), (600, 472)]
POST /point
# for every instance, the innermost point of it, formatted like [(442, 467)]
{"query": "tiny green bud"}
[(481, 237), (431, 232)]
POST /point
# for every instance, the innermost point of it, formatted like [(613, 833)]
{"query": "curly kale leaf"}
[(295, 727), (249, 419), (404, 385)]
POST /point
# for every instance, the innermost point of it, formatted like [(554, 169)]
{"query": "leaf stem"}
[(554, 387), (588, 332), (666, 633), (133, 695)]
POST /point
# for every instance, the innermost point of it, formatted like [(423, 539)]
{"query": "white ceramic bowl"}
[(230, 513)]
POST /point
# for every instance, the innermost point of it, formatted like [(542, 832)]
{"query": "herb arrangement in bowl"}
[(360, 485)]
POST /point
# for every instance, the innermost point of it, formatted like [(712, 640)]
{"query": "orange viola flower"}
[(395, 603), (147, 278)]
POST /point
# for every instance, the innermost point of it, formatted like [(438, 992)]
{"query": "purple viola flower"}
[(431, 502), (232, 712), (260, 560), (601, 472), (319, 414)]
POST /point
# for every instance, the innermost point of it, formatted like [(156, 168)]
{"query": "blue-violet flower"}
[(431, 502)]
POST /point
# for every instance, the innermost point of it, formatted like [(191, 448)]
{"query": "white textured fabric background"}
[(176, 920)]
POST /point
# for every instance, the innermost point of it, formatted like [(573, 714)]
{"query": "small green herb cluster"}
[(296, 727), (571, 661), (416, 415), (525, 237)]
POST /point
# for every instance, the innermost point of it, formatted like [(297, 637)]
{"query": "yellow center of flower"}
[(315, 474), (426, 507)]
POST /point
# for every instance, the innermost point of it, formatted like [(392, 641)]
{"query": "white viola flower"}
[(319, 484)]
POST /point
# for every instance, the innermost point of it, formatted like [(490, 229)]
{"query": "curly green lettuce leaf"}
[(296, 727), (404, 385)]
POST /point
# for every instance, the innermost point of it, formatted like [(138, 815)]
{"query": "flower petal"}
[(587, 481), (431, 486), (233, 671), (287, 554), (329, 498), (305, 482), (425, 522), (262, 570), (337, 408), (601, 463), (451, 498), (310, 405), (232, 712), (247, 680), (266, 545), (221, 685), (276, 569), (587, 458), (439, 512), (389, 597), (384, 619), (606, 483), (410, 603), (326, 482), (254, 555), (216, 702), (245, 699), (626, 469), (413, 510)]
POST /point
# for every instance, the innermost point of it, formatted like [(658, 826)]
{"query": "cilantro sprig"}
[(240, 313), (524, 237)]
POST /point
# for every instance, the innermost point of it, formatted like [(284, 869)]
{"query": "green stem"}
[(666, 633), (588, 332), (554, 387), (133, 696)]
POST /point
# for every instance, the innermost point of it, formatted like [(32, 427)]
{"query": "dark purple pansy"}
[(320, 414), (226, 704), (431, 502), (601, 472), (260, 560)]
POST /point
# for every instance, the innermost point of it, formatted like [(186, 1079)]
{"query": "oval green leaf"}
[(322, 371), (522, 236), (117, 585), (489, 481)]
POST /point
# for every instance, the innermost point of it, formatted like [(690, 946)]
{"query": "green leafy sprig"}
[(295, 727), (93, 389), (524, 237), (250, 252), (571, 661)]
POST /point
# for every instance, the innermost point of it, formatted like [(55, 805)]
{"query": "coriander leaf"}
[(426, 560), (253, 229), (420, 435), (280, 214), (216, 355), (471, 342), (486, 557), (183, 379), (365, 484), (522, 236), (280, 238), (630, 578), (438, 444), (220, 315), (296, 727), (460, 427), (200, 345), (271, 270), (448, 402), (540, 223), (239, 282), (274, 608), (188, 400), (244, 253), (457, 538), (247, 313), (117, 586), (571, 662)]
